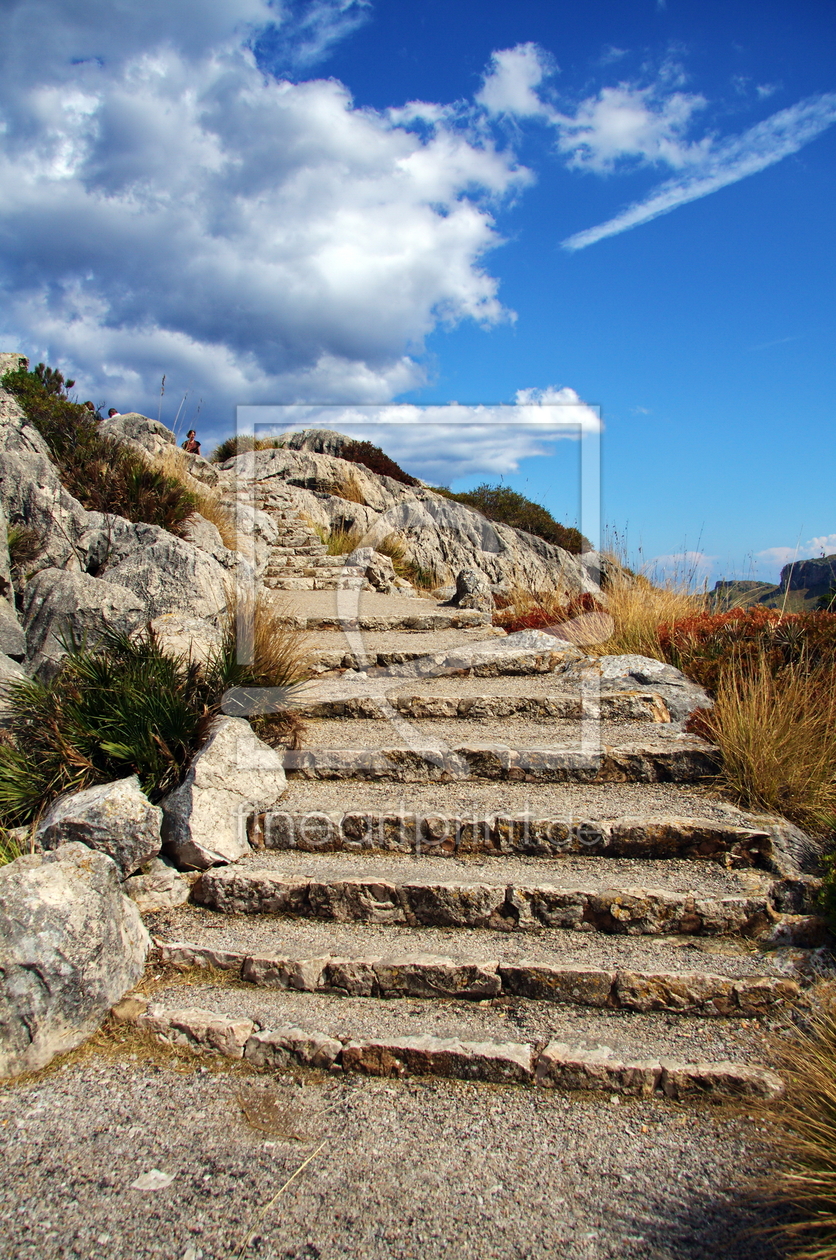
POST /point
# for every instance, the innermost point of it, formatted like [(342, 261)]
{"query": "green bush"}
[(122, 707), (377, 461), (102, 474), (506, 506)]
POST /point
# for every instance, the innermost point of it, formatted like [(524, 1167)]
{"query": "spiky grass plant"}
[(127, 707), (804, 1188)]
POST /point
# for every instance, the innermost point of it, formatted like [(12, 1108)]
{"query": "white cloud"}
[(765, 90), (629, 123), (167, 207), (772, 559), (509, 85), (687, 569), (722, 163), (443, 443)]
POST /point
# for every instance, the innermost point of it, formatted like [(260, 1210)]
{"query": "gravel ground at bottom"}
[(301, 938), (510, 732), (402, 1170)]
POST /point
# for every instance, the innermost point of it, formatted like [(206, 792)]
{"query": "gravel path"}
[(409, 1169), (537, 685), (703, 877), (400, 640), (543, 800), (299, 938)]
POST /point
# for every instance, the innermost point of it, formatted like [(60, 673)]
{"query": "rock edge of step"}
[(558, 1065)]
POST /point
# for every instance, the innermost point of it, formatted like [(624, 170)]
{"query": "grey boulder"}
[(233, 775), (114, 818), (71, 946), (58, 605), (157, 886), (632, 672), (473, 590), (166, 573)]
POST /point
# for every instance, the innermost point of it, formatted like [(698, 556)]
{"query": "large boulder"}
[(233, 775), (32, 495), (189, 637), (114, 818), (150, 437), (58, 605), (167, 573), (633, 672), (71, 946)]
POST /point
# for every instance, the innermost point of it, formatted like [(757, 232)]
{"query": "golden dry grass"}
[(805, 1137), (638, 608), (174, 463), (260, 629), (777, 734)]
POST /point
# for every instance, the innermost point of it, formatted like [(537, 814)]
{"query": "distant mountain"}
[(801, 587)]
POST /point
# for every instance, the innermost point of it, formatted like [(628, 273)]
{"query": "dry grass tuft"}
[(174, 463), (280, 651), (347, 487), (777, 734), (805, 1187), (268, 1109), (638, 608)]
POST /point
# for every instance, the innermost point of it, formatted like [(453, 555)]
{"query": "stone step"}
[(289, 583), (502, 895), (304, 547), (481, 704), (479, 651), (682, 759), (438, 619), (762, 844), (281, 1030), (411, 973)]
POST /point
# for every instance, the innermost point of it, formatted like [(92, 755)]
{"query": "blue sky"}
[(246, 198)]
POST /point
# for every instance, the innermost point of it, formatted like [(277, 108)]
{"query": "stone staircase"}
[(494, 863), (299, 560)]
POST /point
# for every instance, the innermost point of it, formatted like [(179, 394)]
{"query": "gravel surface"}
[(627, 1033), (542, 800), (510, 732), (400, 640), (706, 878), (409, 1169), (298, 938), (535, 685)]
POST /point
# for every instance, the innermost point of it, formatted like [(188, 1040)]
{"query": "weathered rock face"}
[(472, 591), (168, 574), (205, 819), (149, 436), (113, 818), (71, 945), (378, 571), (157, 886), (813, 575), (190, 637), (439, 535), (58, 604)]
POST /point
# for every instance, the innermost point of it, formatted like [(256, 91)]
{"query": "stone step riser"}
[(506, 834), (620, 706), (322, 662), (454, 620), (421, 976), (500, 908), (680, 763), (317, 584), (557, 1066)]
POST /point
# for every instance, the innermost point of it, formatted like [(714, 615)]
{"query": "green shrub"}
[(377, 461), (102, 474), (506, 506), (125, 707)]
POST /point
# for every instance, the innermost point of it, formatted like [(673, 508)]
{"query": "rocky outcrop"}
[(156, 886), (71, 945), (113, 818), (60, 606), (438, 535), (205, 819)]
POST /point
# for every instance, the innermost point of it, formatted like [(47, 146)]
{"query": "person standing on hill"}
[(191, 445)]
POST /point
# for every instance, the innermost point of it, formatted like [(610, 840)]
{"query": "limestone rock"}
[(58, 605), (199, 1030), (680, 695), (10, 672), (32, 495), (168, 574), (115, 818), (132, 429), (71, 945), (190, 637), (472, 591), (234, 774), (156, 886), (438, 535), (288, 1046), (498, 1062)]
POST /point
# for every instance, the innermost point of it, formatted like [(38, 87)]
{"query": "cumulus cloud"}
[(443, 443), (510, 83), (628, 123), (165, 206)]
